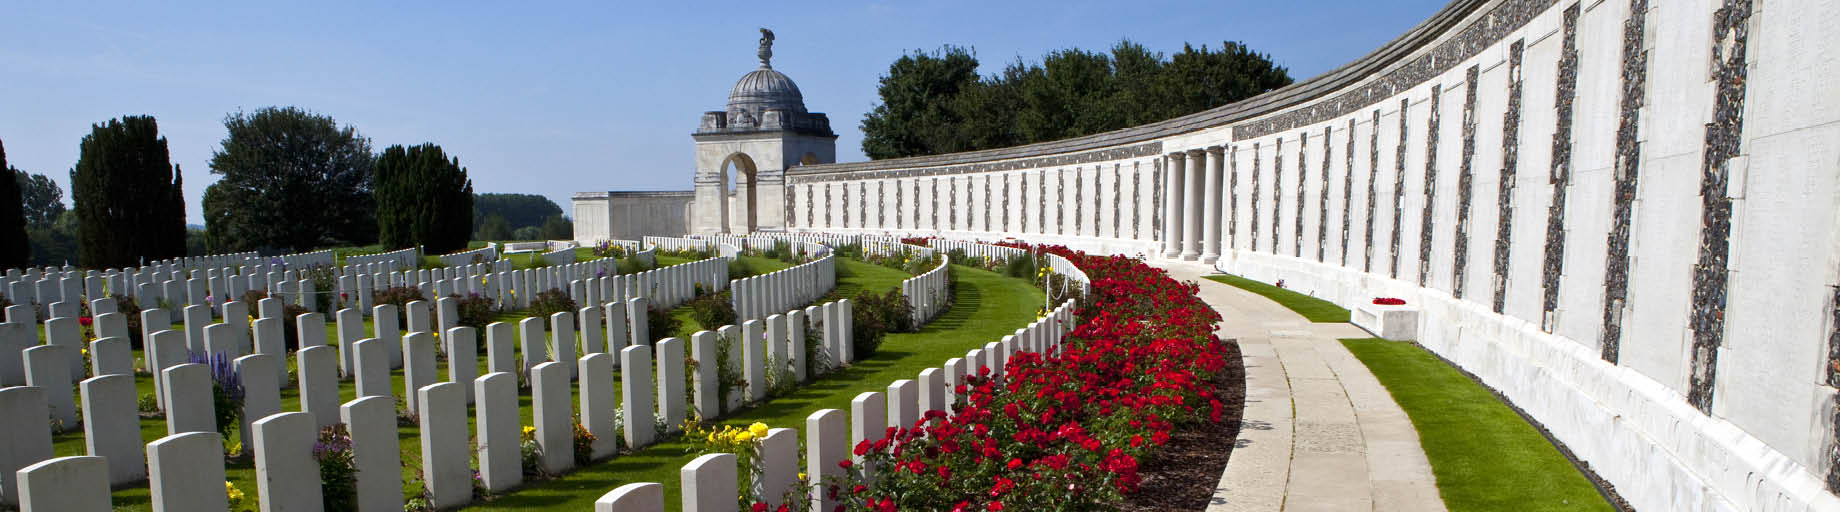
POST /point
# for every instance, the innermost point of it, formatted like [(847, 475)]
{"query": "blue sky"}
[(562, 97)]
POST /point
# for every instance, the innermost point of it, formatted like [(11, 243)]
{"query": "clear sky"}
[(561, 97)]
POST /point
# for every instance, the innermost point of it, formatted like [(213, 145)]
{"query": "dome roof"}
[(763, 89)]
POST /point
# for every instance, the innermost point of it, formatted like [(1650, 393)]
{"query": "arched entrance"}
[(741, 188)]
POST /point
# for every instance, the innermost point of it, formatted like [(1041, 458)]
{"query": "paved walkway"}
[(1320, 433)]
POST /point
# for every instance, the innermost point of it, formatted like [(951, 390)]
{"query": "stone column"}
[(1210, 231), (1172, 204), (1192, 206)]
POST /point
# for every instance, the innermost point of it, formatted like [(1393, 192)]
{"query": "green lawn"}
[(1312, 308), (1485, 456), (988, 307), (853, 276)]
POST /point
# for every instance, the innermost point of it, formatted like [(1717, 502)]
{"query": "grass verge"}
[(1312, 308), (1485, 455)]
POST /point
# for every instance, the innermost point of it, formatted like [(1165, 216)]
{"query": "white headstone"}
[(932, 391), (462, 358), (795, 345), (868, 421), (45, 368), (319, 384), (636, 395), (261, 386), (617, 336), (384, 327), (497, 425), (65, 484), (779, 466), (671, 398), (825, 432), (28, 435), (112, 425), (598, 402), (754, 360), (351, 329), (373, 378), (552, 415), (418, 367), (531, 343), (186, 472), (638, 315), (445, 468), (707, 393), (562, 340), (589, 319), (65, 332), (287, 476), (500, 348), (189, 403), (709, 483), (111, 324), (633, 497), (111, 356), (15, 338)]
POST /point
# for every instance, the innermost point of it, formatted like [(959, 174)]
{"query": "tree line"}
[(290, 180), (936, 102)]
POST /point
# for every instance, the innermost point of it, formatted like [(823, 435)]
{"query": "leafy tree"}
[(130, 202), (518, 210), (15, 246), (55, 244), (915, 116), (292, 180), (423, 198), (936, 102), (557, 227), (44, 200), (495, 227), (528, 233)]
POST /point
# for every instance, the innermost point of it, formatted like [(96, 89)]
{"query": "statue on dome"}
[(766, 48)]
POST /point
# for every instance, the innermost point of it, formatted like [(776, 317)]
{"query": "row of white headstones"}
[(186, 467)]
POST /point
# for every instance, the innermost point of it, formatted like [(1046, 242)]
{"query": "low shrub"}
[(475, 311), (290, 315), (400, 296), (131, 309), (584, 444), (739, 268), (875, 316), (338, 469), (1020, 267), (712, 310), (550, 302), (226, 389), (660, 323)]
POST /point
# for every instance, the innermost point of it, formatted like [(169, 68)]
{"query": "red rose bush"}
[(1058, 431)]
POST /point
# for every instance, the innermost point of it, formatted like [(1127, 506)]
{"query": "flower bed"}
[(1063, 431)]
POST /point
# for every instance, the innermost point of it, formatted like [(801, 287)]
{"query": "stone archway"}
[(740, 179)]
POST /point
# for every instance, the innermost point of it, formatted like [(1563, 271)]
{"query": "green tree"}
[(558, 227), (915, 116), (518, 210), (936, 102), (130, 202), (44, 200), (291, 180), (15, 245), (55, 244), (495, 227), (423, 198)]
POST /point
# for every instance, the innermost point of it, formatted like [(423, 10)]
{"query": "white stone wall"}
[(1765, 439)]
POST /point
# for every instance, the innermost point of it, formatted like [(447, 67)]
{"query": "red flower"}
[(759, 507), (845, 463), (1389, 301), (84, 320), (1014, 463)]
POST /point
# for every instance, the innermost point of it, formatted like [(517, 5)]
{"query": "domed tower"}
[(764, 131)]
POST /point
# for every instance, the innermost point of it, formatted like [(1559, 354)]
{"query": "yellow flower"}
[(230, 491), (758, 429), (801, 476), (744, 436)]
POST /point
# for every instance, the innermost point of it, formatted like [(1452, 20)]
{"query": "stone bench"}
[(1397, 323)]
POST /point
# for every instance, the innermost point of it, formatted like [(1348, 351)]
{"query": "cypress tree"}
[(15, 246), (423, 198), (129, 204)]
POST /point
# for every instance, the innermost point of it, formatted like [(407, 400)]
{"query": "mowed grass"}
[(988, 307), (1312, 308), (137, 498), (1486, 457)]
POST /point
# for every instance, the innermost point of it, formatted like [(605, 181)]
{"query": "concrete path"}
[(1320, 433)]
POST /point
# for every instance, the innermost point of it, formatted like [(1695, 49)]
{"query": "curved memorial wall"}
[(1619, 214)]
